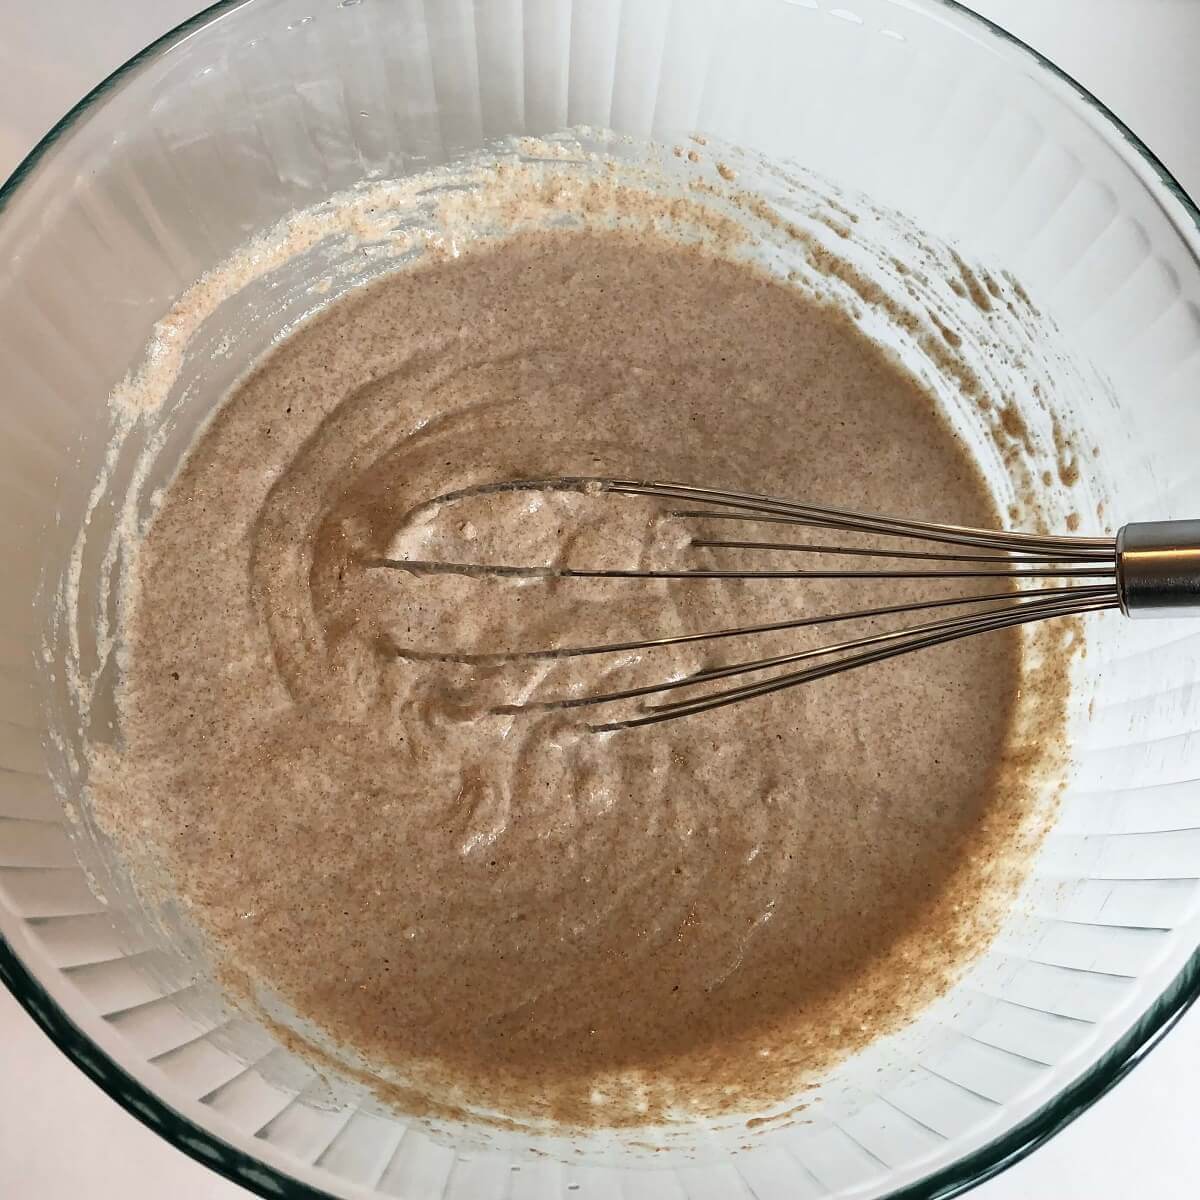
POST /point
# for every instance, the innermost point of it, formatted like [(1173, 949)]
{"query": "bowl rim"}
[(269, 1182)]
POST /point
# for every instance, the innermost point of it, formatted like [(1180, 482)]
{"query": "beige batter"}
[(505, 910)]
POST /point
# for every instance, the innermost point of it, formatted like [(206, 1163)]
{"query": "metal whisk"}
[(1150, 569)]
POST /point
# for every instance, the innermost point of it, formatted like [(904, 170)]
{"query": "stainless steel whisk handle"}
[(1158, 569)]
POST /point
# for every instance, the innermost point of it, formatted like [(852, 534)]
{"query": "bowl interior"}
[(264, 108)]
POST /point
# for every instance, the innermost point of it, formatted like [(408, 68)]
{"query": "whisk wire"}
[(503, 571), (1090, 591), (871, 552), (1032, 609), (667, 712), (846, 518)]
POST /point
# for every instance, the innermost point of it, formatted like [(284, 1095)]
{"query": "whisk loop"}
[(1148, 569)]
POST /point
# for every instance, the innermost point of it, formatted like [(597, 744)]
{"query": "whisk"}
[(1149, 569)]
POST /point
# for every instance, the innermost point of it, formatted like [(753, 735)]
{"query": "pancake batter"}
[(505, 910)]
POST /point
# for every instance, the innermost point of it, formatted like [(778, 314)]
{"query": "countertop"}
[(61, 1137)]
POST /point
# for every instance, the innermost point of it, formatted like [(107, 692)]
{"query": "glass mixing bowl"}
[(258, 108)]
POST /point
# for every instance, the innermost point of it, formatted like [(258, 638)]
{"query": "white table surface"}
[(61, 1137)]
